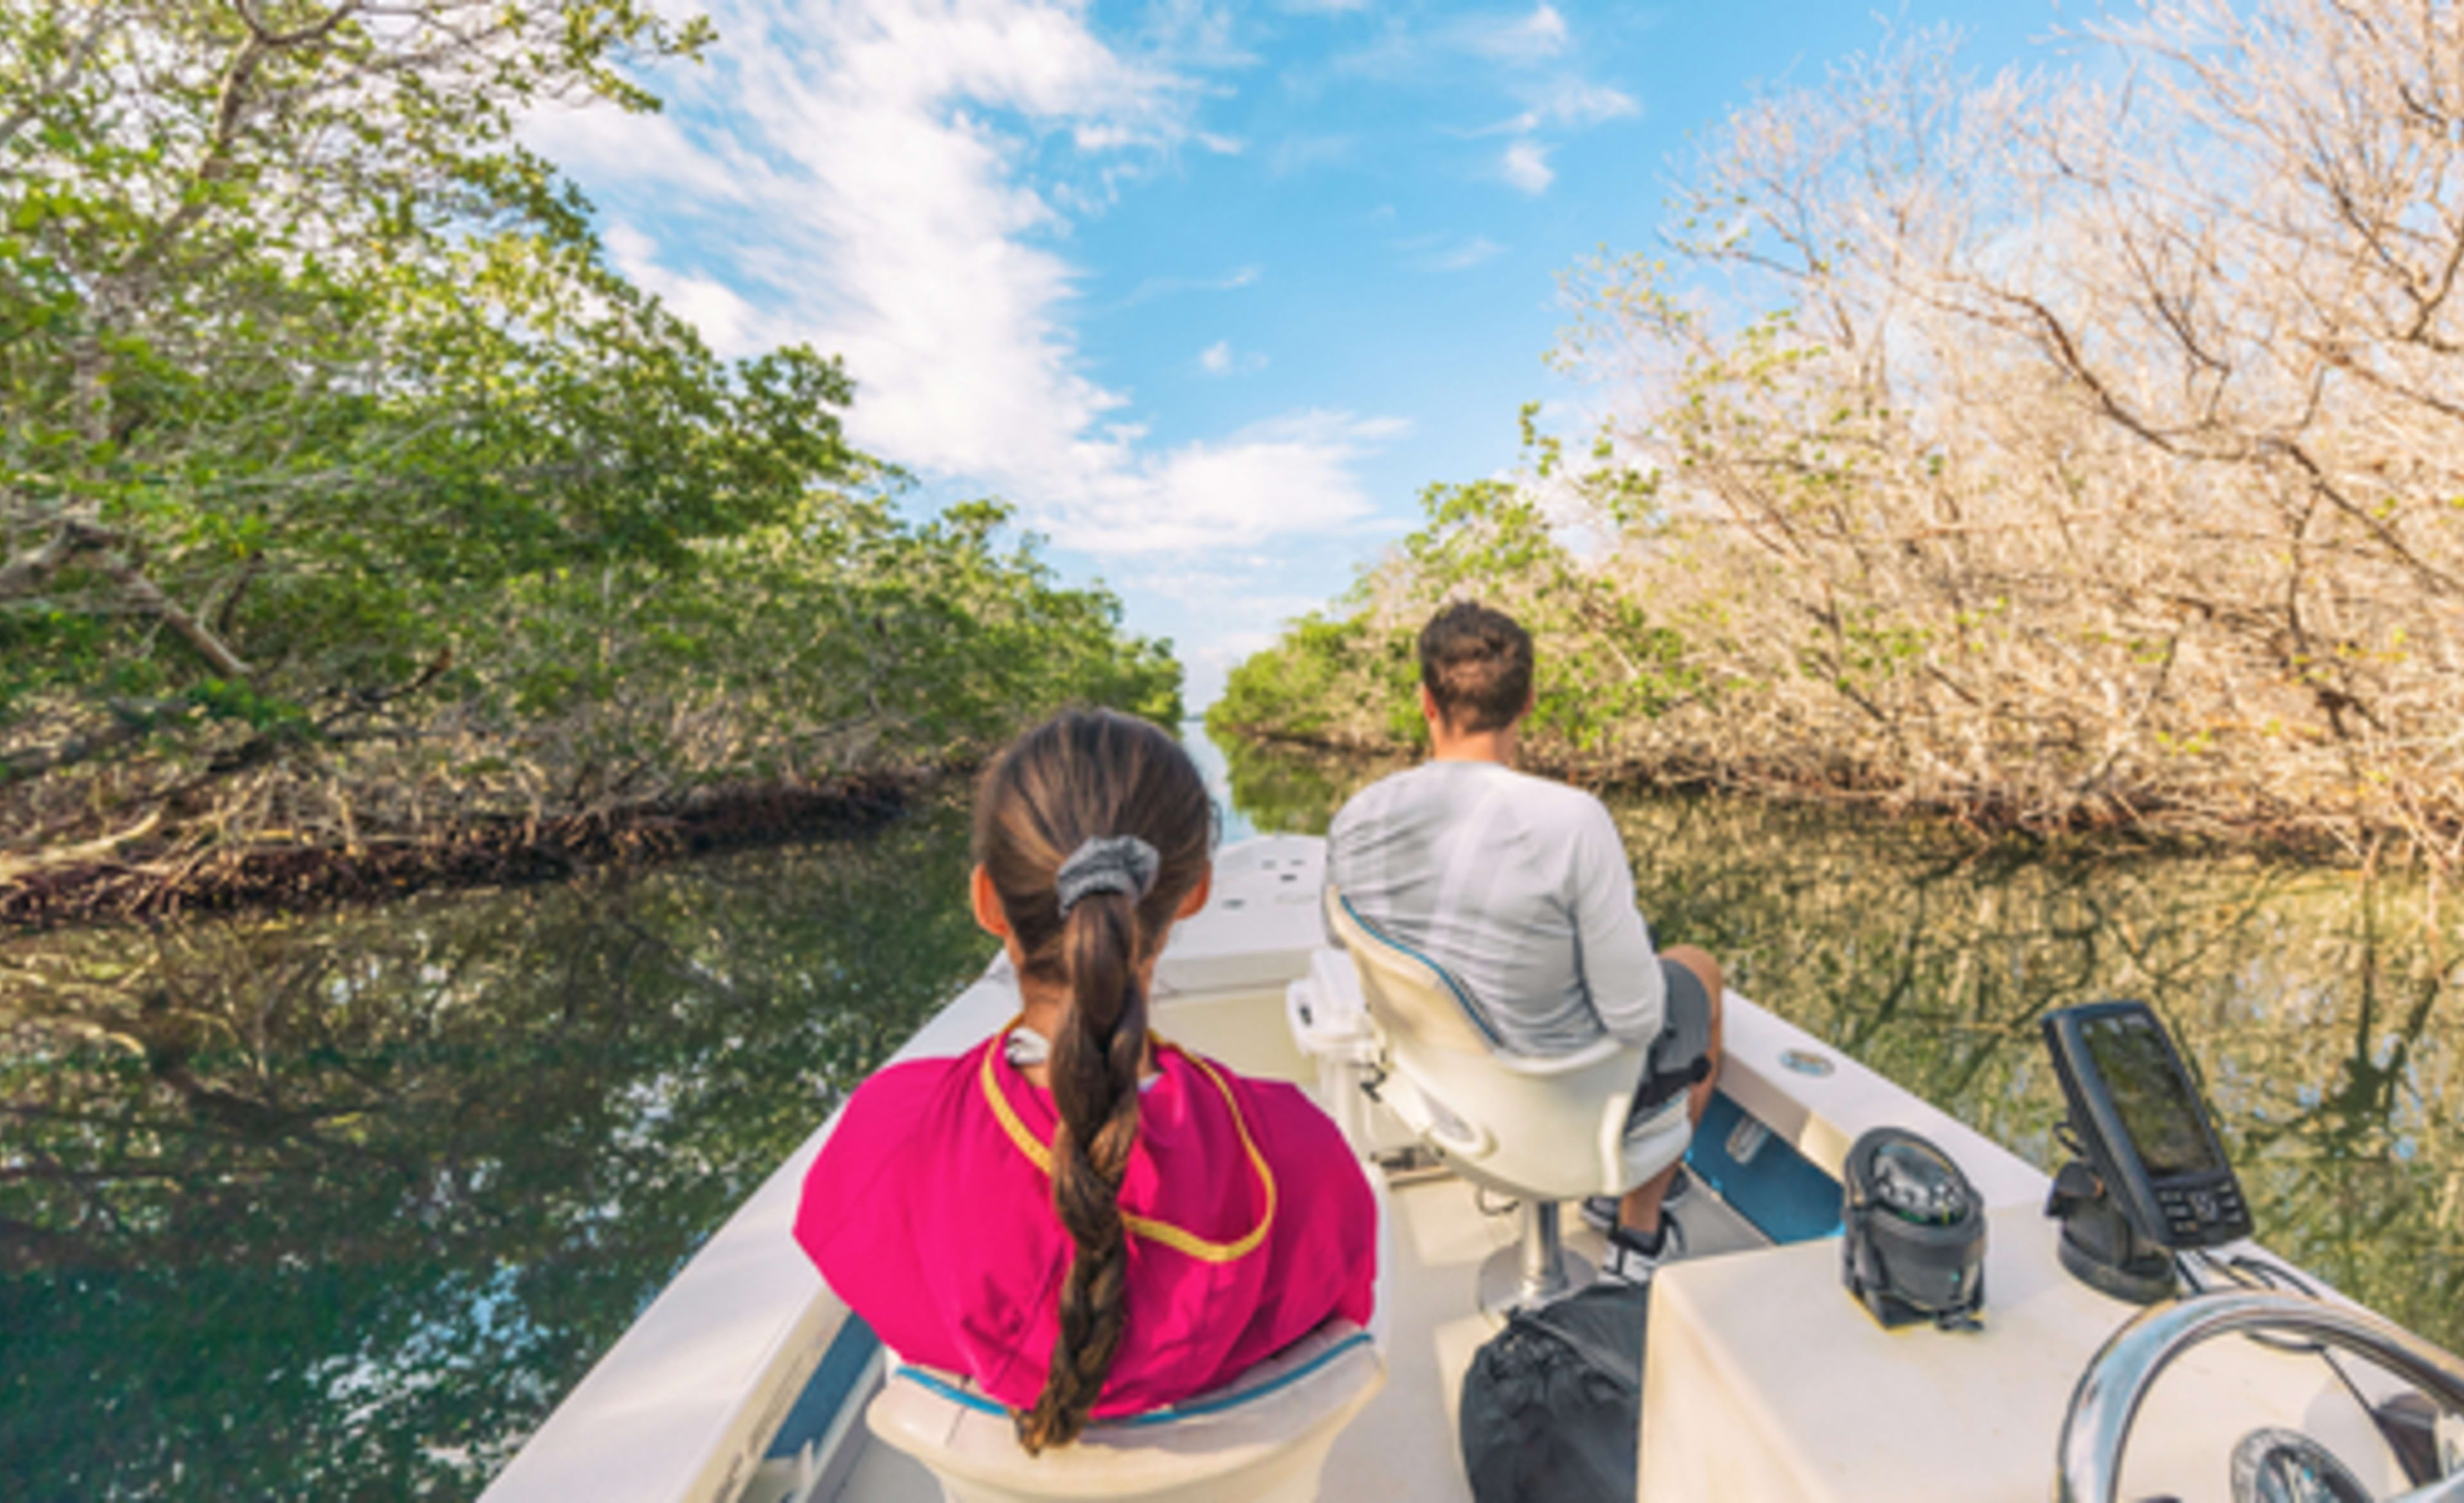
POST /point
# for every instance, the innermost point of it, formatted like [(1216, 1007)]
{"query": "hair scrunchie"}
[(1107, 864)]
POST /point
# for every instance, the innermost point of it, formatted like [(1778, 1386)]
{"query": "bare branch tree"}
[(2102, 452)]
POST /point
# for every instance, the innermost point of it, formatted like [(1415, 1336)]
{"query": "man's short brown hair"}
[(1475, 664)]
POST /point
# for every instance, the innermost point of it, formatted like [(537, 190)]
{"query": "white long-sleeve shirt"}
[(1516, 885)]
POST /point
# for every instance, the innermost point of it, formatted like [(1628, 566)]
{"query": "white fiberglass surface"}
[(1440, 1231), (1404, 1446)]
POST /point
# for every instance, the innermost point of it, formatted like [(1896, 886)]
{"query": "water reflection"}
[(342, 1206), (2320, 1006), (1231, 821)]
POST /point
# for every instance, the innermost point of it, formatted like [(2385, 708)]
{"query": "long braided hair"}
[(1078, 777)]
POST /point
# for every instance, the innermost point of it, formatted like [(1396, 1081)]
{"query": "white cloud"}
[(1534, 38), (1572, 103), (1463, 257), (1194, 33), (1526, 165), (1103, 136), (1220, 359), (599, 143), (1151, 288), (1287, 474), (875, 178), (1299, 153), (1248, 622), (1395, 52), (1440, 252), (1577, 104), (1209, 666)]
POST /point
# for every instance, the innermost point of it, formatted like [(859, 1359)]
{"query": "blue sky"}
[(1209, 293)]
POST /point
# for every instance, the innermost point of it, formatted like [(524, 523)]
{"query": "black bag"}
[(1552, 1405)]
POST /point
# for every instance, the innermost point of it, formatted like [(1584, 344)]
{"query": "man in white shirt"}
[(1520, 887)]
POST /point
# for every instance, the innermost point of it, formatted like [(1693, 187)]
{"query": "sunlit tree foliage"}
[(2064, 449), (346, 488)]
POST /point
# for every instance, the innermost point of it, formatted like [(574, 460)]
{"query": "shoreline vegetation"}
[(2058, 452), (76, 888), (363, 526)]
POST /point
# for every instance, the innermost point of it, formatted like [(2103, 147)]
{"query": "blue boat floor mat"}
[(831, 1385), (1774, 1187)]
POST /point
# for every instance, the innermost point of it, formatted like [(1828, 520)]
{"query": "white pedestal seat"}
[(1541, 1130), (1264, 1436)]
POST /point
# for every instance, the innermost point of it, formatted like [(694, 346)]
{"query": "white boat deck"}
[(688, 1405), (1438, 1235)]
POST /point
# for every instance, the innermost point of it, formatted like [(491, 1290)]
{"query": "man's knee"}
[(1706, 969)]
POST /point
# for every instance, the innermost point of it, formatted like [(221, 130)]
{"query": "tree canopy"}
[(344, 482), (2071, 448)]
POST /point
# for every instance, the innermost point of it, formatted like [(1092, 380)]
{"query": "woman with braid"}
[(1085, 1219)]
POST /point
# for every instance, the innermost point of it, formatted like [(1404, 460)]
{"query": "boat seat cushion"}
[(1293, 1403)]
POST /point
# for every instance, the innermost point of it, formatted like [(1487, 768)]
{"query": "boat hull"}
[(746, 1379)]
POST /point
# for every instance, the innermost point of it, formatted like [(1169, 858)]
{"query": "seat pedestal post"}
[(1535, 1270)]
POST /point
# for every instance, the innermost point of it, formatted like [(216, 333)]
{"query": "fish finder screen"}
[(2155, 1101)]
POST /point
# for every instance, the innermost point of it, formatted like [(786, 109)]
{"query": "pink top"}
[(929, 1212)]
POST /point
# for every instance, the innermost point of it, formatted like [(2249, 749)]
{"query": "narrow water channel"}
[(340, 1205)]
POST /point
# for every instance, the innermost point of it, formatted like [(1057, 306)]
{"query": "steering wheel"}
[(2088, 1457)]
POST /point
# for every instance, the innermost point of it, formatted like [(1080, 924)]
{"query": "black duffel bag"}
[(1552, 1405)]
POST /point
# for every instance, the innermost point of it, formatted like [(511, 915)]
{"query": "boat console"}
[(2152, 1181), (2109, 1395), (1760, 1382)]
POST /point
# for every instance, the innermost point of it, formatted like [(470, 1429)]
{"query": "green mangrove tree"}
[(349, 494)]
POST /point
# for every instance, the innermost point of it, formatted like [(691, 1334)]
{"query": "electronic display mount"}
[(2150, 1151)]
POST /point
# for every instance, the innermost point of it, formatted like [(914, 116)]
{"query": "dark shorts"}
[(1681, 1055)]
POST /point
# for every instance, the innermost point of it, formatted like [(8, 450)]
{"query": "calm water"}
[(340, 1206)]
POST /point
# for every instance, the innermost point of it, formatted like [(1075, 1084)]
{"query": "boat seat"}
[(1328, 1024), (1540, 1130), (1264, 1436)]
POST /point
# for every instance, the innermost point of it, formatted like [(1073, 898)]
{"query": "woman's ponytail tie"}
[(1107, 864)]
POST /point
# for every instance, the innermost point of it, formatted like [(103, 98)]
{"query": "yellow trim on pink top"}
[(1177, 1238)]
